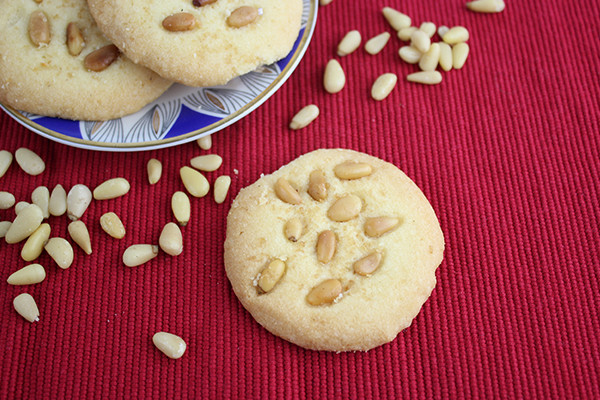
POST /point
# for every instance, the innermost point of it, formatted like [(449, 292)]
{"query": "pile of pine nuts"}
[(28, 224)]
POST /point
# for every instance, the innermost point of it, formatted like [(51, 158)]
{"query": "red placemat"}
[(507, 152)]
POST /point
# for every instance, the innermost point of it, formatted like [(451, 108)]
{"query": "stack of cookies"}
[(101, 60)]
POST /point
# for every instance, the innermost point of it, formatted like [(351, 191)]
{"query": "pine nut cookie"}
[(200, 42), (47, 66), (335, 251)]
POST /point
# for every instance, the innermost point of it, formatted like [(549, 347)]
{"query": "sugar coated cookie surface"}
[(200, 42), (42, 72), (336, 250)]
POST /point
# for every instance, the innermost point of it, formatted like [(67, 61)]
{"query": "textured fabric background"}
[(507, 150)]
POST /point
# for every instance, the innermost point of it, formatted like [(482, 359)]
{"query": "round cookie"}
[(48, 80), (362, 307), (212, 52)]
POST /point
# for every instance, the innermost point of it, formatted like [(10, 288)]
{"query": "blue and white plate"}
[(181, 114)]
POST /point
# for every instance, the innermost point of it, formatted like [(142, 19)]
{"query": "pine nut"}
[(35, 243), (286, 192), (404, 34), (383, 86), (78, 200), (428, 28), (179, 22), (29, 162), (171, 240), (445, 56), (208, 162), (293, 229), (420, 41), (368, 264), (25, 306), (326, 245), (171, 345), (29, 275), (431, 58), (334, 78), (111, 189), (409, 54), (5, 160), (349, 43), (242, 16), (20, 206), (7, 200), (317, 185), (345, 208), (425, 77), (180, 205), (75, 42), (486, 6), (139, 254), (377, 226), (99, 60), (61, 251), (195, 183), (80, 235), (325, 293), (442, 30), (352, 170), (271, 275), (154, 168), (377, 43), (221, 187), (112, 225), (57, 205), (460, 52), (39, 28), (26, 222), (4, 227), (304, 117), (205, 142), (396, 19), (456, 34), (41, 198)]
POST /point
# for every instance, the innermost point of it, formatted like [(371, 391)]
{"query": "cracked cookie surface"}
[(346, 262)]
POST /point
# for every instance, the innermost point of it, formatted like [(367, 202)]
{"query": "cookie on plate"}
[(200, 42), (43, 72), (336, 250)]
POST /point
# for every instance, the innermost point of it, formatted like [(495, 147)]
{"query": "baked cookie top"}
[(42, 72), (336, 250), (200, 42)]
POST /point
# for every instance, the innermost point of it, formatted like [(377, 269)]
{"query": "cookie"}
[(336, 250), (43, 73), (200, 45)]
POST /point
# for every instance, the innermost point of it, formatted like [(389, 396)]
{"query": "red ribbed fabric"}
[(506, 149)]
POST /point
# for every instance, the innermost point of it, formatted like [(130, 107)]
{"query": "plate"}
[(182, 113)]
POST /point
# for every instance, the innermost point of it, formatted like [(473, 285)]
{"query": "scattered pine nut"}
[(35, 243), (445, 56), (205, 142), (334, 78), (304, 117), (41, 198), (208, 162), (80, 235), (138, 254), (4, 227), (78, 200), (154, 169), (221, 187), (396, 19), (409, 54), (404, 34), (325, 293), (26, 222), (456, 34), (378, 226), (420, 41), (171, 240), (349, 170), (5, 160), (486, 6), (383, 86), (349, 43), (111, 189), (431, 58), (460, 52), (57, 204), (29, 275), (112, 225), (195, 183), (377, 43), (25, 306), (29, 162), (61, 251), (7, 200), (368, 264), (425, 77), (286, 192), (345, 208), (171, 345), (180, 205), (428, 28), (326, 246)]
